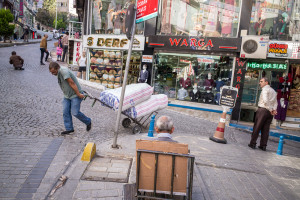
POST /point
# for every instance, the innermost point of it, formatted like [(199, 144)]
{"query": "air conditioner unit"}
[(254, 46)]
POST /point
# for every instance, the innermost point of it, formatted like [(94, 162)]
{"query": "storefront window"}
[(294, 95), (252, 89), (208, 18), (277, 18), (187, 77), (107, 67), (108, 17)]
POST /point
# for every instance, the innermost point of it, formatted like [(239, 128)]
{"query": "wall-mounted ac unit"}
[(254, 46)]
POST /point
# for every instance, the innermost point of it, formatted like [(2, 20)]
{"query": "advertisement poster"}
[(281, 49), (146, 9)]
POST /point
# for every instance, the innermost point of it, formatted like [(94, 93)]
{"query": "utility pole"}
[(55, 15)]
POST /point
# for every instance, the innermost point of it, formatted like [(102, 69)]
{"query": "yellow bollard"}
[(89, 152)]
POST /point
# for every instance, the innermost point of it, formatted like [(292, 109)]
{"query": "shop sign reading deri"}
[(119, 42), (281, 49)]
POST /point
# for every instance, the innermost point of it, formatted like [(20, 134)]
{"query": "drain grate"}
[(110, 169)]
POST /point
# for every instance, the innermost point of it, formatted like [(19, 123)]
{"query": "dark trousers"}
[(43, 50), (262, 123), (65, 51)]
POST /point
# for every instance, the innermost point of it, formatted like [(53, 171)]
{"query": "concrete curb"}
[(2, 45), (204, 190)]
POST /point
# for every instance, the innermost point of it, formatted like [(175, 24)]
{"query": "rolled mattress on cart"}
[(156, 102), (134, 94)]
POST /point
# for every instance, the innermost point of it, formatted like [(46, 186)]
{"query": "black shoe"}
[(67, 132), (251, 146), (21, 69), (88, 127), (42, 63), (263, 148)]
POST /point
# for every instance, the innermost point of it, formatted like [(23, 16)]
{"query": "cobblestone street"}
[(33, 154)]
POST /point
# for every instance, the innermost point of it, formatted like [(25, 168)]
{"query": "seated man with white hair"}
[(164, 127)]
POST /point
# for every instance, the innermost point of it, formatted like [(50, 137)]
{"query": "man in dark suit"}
[(164, 127)]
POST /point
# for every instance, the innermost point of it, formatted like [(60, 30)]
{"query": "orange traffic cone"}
[(219, 134)]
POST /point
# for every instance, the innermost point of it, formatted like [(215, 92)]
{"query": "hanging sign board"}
[(77, 52), (228, 96), (21, 9), (146, 9), (147, 58)]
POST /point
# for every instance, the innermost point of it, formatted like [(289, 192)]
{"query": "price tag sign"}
[(228, 96)]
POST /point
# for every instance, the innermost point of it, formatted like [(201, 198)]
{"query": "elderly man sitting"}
[(164, 127)]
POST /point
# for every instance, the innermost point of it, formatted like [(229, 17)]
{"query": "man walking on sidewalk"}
[(65, 42), (43, 48), (26, 34), (267, 106), (72, 97)]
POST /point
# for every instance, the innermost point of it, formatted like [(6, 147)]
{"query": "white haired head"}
[(164, 124)]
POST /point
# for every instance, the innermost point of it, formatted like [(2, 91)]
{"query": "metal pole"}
[(56, 15), (124, 84)]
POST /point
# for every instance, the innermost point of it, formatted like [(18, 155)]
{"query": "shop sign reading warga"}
[(280, 49), (194, 43), (118, 42)]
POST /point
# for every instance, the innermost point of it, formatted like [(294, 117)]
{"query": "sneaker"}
[(67, 132), (251, 146), (42, 63), (88, 127), (263, 148)]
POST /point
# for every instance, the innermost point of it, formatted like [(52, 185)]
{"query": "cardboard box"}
[(164, 169)]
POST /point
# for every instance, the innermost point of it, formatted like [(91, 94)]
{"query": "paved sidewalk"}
[(231, 171)]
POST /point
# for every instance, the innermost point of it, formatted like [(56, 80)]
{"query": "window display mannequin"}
[(182, 93), (227, 18), (117, 19), (97, 7), (166, 17), (217, 98), (208, 97), (110, 11), (195, 94), (219, 84), (144, 74), (209, 82)]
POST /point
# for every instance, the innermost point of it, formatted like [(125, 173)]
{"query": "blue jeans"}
[(72, 107)]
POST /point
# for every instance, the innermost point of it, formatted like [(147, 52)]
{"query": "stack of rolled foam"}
[(156, 102), (134, 94)]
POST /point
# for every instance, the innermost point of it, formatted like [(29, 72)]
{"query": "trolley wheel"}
[(126, 122), (137, 129)]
